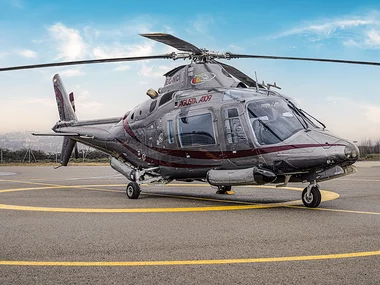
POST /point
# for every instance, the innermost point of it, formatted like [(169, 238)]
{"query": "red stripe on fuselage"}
[(129, 131), (199, 154), (165, 163)]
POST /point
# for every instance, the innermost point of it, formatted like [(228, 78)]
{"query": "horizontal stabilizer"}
[(98, 122), (56, 134)]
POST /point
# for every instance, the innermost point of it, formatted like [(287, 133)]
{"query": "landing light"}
[(152, 93), (350, 152)]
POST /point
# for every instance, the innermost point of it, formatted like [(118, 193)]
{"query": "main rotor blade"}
[(239, 75), (304, 59), (173, 42), (90, 61)]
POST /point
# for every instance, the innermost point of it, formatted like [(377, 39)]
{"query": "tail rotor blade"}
[(72, 102)]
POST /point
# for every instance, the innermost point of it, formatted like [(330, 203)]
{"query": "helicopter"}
[(210, 122)]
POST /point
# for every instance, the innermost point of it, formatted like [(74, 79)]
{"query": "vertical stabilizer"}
[(67, 149), (66, 112)]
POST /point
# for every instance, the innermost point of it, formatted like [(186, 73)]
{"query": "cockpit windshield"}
[(273, 120)]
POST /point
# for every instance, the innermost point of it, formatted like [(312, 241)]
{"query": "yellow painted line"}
[(32, 188), (27, 182), (326, 196), (56, 187), (138, 210), (192, 262), (197, 198), (337, 210), (361, 180), (84, 187)]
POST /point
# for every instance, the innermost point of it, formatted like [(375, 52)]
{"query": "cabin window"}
[(273, 120), (152, 106), (170, 132), (226, 73), (196, 130), (233, 128), (166, 98)]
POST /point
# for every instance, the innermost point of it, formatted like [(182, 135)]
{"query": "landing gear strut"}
[(311, 196), (224, 190), (133, 190)]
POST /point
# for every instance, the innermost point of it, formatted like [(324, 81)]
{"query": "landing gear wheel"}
[(223, 190), (314, 199), (133, 190)]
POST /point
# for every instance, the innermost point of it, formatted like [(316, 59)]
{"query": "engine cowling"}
[(123, 169), (247, 176)]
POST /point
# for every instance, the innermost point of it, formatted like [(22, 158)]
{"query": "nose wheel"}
[(311, 196), (133, 190)]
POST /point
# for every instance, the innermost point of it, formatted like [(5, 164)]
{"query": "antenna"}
[(273, 85), (257, 86)]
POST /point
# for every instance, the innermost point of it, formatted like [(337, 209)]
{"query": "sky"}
[(345, 97)]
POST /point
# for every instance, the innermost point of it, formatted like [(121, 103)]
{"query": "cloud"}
[(119, 50), (235, 48), (358, 31), (72, 72), (201, 24), (372, 113), (27, 53), (327, 27), (370, 40), (122, 67), (337, 113), (43, 110), (131, 28), (17, 4), (69, 42), (86, 107), (373, 39), (3, 54), (94, 42), (48, 102), (149, 71), (154, 70)]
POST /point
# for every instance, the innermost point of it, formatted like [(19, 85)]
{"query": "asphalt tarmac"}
[(75, 225)]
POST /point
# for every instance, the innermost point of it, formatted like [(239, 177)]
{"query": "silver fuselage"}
[(199, 130)]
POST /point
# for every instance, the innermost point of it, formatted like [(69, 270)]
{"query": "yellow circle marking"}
[(326, 196), (192, 262)]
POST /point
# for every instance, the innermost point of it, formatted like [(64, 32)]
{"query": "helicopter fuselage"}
[(184, 134)]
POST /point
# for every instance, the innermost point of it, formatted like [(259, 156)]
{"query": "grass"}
[(370, 157)]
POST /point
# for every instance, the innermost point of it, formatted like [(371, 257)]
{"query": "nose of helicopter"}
[(318, 150), (337, 150), (350, 153)]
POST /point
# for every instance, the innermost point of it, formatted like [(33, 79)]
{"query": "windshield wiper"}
[(299, 113), (264, 125), (322, 124)]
